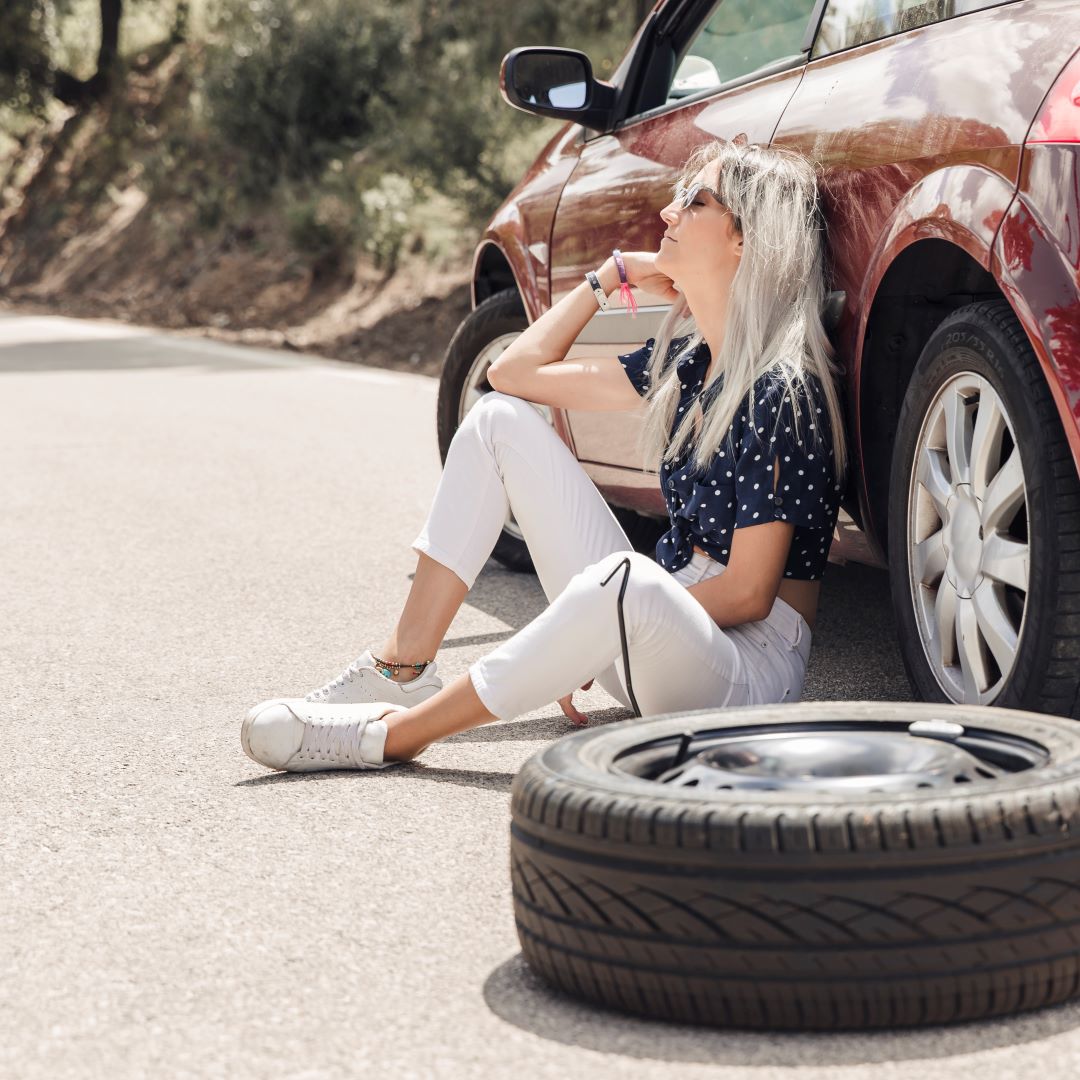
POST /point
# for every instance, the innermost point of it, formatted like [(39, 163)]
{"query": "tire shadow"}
[(516, 995)]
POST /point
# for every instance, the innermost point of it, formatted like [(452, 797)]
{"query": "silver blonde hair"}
[(773, 323)]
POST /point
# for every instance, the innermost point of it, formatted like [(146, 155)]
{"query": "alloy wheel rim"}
[(476, 386), (968, 540)]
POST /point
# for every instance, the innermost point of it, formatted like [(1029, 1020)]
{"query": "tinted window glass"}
[(854, 22), (737, 38)]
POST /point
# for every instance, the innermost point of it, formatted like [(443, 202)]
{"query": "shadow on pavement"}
[(538, 729), (520, 998), (855, 653), (417, 770)]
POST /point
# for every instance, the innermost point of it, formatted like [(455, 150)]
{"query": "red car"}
[(949, 136)]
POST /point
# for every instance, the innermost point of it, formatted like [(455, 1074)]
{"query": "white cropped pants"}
[(505, 454)]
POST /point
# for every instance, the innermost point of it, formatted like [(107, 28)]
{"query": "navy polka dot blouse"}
[(736, 490)]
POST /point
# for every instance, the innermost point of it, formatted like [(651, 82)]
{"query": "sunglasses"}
[(684, 195)]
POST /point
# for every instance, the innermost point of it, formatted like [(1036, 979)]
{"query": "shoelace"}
[(334, 684), (332, 740)]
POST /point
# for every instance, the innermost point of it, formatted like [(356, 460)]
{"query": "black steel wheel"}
[(821, 865)]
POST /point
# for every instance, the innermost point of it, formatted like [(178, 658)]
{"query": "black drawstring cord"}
[(622, 630)]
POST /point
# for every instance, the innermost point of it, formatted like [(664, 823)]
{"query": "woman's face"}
[(701, 247)]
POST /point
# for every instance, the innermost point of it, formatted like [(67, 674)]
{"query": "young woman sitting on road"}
[(743, 422)]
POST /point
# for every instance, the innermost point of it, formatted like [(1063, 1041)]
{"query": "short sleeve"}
[(636, 366), (805, 492)]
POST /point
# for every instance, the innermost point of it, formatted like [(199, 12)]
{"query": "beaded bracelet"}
[(625, 294), (383, 666)]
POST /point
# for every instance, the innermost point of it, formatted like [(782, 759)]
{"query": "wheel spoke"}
[(995, 625), (928, 559), (986, 440), (945, 623), (934, 479), (1006, 560), (972, 664), (1004, 494), (958, 436), (472, 397)]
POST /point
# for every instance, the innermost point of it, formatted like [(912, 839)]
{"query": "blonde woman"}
[(742, 422)]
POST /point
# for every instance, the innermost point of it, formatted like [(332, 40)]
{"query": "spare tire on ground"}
[(820, 865)]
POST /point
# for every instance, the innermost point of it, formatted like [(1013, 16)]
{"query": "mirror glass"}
[(551, 79)]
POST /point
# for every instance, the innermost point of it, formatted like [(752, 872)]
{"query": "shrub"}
[(294, 83), (385, 218), (322, 227)]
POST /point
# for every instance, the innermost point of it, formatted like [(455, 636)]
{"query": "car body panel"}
[(636, 166), (1038, 267), (910, 153), (521, 228)]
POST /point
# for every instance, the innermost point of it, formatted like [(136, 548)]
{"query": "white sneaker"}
[(361, 682), (306, 736)]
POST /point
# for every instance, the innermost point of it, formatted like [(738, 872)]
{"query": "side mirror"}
[(558, 83)]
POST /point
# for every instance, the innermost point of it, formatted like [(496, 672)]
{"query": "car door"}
[(716, 70)]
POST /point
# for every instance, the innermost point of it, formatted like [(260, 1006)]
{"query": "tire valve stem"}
[(683, 752)]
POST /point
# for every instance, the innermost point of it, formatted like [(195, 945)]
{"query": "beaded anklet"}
[(384, 667)]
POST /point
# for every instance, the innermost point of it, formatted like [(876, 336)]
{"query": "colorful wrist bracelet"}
[(625, 294)]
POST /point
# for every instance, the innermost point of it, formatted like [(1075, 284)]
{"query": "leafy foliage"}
[(368, 125), (295, 83), (26, 65)]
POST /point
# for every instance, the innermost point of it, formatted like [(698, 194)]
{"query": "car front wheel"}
[(984, 523), (479, 341)]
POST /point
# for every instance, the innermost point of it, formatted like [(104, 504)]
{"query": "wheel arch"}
[(933, 255), (924, 284), (492, 272)]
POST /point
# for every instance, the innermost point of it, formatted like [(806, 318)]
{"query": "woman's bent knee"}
[(501, 417), (641, 565), (646, 583)]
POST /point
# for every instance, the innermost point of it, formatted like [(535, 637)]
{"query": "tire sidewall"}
[(760, 909), (966, 341)]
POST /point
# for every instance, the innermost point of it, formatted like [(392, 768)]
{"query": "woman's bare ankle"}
[(405, 674)]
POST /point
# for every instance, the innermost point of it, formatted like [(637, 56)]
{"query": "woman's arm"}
[(548, 340), (533, 366), (745, 591)]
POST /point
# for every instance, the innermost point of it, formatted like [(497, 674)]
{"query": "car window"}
[(854, 22), (737, 38)]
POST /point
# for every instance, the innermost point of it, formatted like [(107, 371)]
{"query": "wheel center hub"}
[(927, 755), (964, 541)]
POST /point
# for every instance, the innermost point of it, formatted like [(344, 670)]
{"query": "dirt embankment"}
[(91, 226)]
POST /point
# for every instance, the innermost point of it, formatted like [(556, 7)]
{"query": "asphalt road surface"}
[(188, 528)]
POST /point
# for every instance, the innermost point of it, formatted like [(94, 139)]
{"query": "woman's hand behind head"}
[(642, 273)]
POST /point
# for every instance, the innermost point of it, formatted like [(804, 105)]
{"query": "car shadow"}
[(516, 995)]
